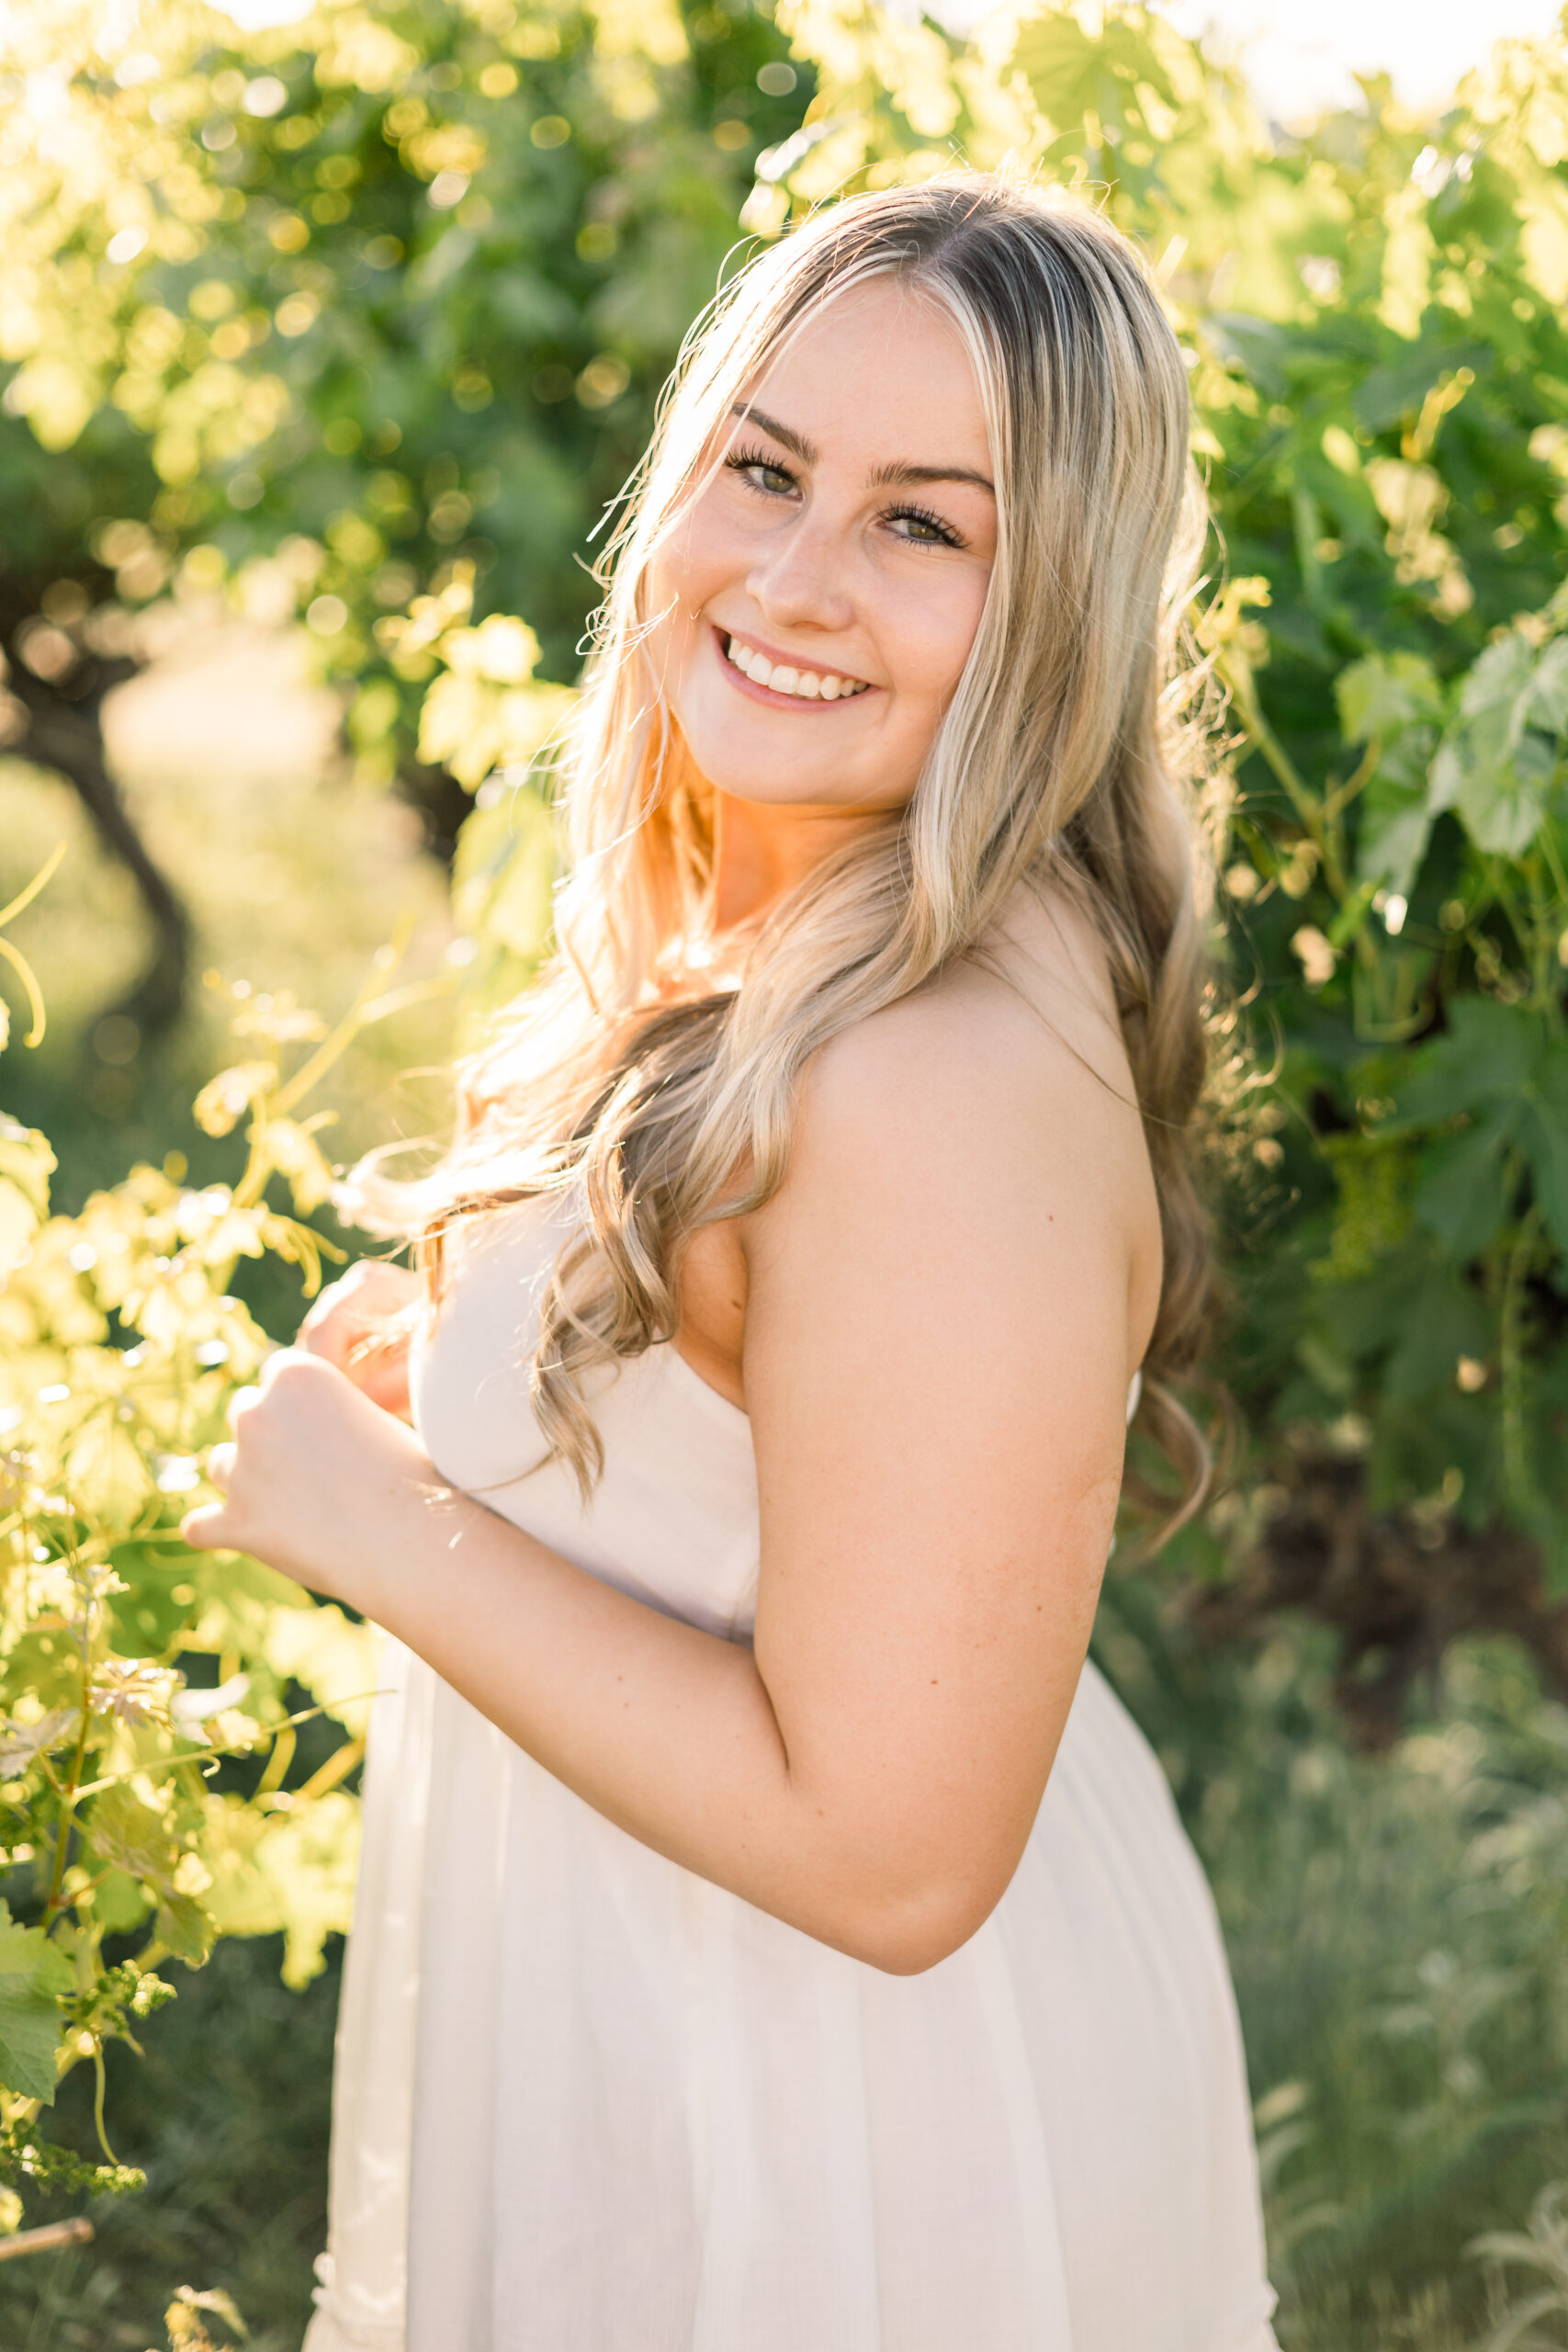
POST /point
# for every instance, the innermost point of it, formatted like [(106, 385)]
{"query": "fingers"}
[(216, 1526), (354, 1327), (332, 1334), (367, 1295), (205, 1529), (239, 1404), (384, 1379)]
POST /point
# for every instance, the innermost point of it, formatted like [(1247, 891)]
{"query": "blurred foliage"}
[(121, 1344), (326, 308)]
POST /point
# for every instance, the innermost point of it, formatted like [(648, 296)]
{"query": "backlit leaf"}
[(34, 1973)]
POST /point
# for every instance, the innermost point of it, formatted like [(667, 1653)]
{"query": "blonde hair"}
[(671, 1106)]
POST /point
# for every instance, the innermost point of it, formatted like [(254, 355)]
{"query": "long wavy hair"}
[(657, 1105)]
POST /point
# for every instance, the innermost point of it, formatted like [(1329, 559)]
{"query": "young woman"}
[(771, 1936)]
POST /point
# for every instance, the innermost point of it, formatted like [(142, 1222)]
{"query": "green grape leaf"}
[(1497, 789), (294, 1871), (1487, 1055), (310, 1856), (1548, 703), (1499, 1066), (1396, 701), (1494, 765), (145, 1617), (1462, 1195), (109, 1474), (34, 1973), (123, 1831), (1482, 1069), (185, 1928), (48, 1665), (504, 873), (1443, 1320), (19, 1743), (1396, 390), (334, 1658), (120, 1903), (1496, 762), (1394, 830), (1544, 1137), (1257, 347), (1502, 679), (1062, 65), (1387, 693), (26, 1161)]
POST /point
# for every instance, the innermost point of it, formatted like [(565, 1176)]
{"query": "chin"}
[(768, 790), (772, 777)]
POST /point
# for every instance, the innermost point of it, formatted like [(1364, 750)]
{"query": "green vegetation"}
[(356, 323), (126, 1842)]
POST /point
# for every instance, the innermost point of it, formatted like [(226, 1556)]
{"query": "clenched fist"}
[(318, 1481)]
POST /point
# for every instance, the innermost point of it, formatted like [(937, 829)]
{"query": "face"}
[(824, 592)]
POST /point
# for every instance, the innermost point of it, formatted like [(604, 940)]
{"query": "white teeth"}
[(808, 685)]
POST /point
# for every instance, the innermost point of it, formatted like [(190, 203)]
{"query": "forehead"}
[(881, 374)]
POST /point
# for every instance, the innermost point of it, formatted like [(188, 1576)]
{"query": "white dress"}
[(587, 2102)]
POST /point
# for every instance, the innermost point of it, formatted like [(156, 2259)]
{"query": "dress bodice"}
[(672, 1520)]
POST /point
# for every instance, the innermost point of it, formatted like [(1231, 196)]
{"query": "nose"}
[(798, 578)]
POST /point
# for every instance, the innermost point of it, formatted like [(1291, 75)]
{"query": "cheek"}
[(682, 579), (934, 635), (701, 555), (669, 601)]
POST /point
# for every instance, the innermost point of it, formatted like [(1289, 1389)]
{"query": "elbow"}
[(909, 1935)]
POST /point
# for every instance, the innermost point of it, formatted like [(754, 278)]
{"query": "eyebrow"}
[(884, 477)]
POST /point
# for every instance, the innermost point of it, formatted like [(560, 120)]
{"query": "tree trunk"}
[(64, 731)]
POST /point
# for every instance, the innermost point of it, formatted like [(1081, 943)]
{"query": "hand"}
[(356, 1309), (317, 1481)]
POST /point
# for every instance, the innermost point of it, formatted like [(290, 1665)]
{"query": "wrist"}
[(411, 1551)]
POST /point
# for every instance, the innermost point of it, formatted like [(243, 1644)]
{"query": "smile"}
[(789, 678)]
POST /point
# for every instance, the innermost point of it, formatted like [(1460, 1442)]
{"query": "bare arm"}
[(937, 1351)]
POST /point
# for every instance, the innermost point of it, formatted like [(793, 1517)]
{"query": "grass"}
[(1398, 1929)]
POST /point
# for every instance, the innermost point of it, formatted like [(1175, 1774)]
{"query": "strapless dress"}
[(586, 2101)]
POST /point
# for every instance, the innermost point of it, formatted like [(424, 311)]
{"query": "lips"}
[(796, 679)]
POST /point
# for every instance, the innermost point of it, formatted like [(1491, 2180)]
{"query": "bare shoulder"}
[(1013, 1054), (988, 1121)]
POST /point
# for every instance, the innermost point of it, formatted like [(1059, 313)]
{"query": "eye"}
[(925, 529), (761, 473)]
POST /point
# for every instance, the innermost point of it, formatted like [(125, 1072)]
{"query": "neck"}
[(761, 852)]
